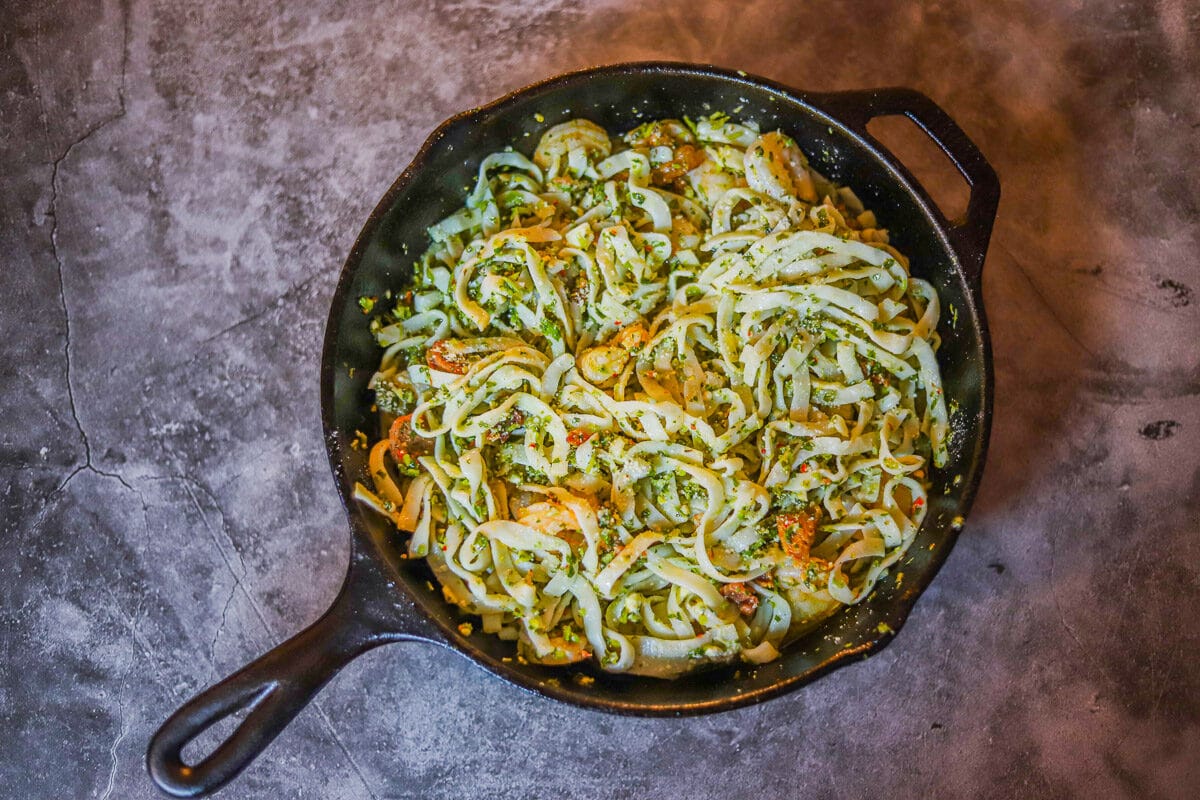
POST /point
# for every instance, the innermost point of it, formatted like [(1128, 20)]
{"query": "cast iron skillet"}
[(387, 599)]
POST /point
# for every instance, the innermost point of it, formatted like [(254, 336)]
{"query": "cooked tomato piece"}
[(797, 531), (443, 355), (686, 158), (405, 443), (741, 596)]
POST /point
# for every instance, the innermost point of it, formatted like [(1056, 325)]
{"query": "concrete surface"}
[(180, 182)]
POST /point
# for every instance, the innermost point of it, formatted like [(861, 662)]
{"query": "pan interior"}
[(619, 99)]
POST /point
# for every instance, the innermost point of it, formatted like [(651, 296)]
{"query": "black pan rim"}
[(901, 608)]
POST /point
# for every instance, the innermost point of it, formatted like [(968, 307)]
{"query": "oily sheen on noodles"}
[(660, 401)]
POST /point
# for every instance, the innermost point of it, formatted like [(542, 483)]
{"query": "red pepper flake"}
[(618, 322), (804, 467)]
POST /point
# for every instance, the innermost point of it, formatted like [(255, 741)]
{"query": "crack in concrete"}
[(1054, 595), (270, 306), (189, 482), (112, 754), (345, 750), (138, 636), (212, 645), (89, 467), (1050, 307), (1062, 617), (62, 486), (52, 212)]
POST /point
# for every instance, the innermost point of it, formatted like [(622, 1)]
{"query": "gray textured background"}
[(180, 183)]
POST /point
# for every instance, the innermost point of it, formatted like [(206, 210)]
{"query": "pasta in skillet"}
[(660, 401)]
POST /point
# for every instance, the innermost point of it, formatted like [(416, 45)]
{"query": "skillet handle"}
[(275, 688), (968, 235)]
